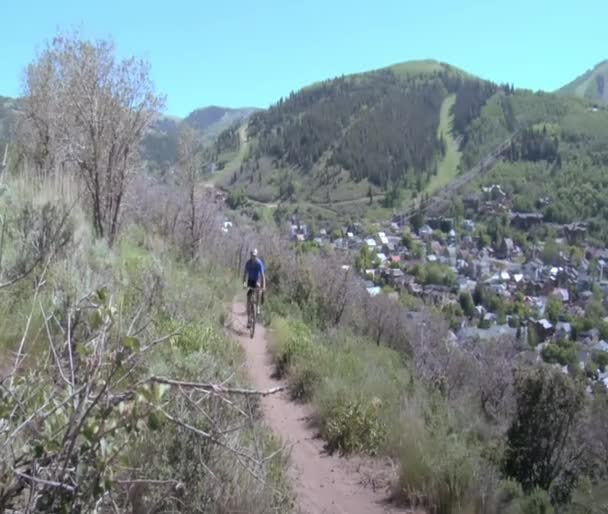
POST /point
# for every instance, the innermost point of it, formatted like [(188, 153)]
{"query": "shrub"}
[(354, 426), (437, 469), (290, 340)]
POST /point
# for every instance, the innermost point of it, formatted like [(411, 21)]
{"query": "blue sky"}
[(246, 53)]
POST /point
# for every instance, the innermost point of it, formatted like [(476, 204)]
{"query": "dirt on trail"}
[(324, 484)]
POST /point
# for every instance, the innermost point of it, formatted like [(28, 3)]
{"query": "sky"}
[(241, 53)]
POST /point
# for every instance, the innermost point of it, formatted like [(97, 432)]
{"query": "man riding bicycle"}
[(254, 276)]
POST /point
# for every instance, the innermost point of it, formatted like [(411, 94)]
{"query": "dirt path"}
[(324, 484)]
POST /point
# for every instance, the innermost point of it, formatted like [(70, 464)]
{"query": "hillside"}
[(212, 120), (371, 144), (592, 85), (160, 145), (374, 134), (560, 158)]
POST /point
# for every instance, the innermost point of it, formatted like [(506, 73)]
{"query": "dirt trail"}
[(324, 484)]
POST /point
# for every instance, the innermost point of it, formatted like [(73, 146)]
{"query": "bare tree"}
[(87, 110), (189, 152), (89, 404)]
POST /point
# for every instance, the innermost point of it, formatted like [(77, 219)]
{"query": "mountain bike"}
[(252, 309)]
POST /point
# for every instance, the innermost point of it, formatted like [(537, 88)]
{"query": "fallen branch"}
[(215, 388), (50, 483)]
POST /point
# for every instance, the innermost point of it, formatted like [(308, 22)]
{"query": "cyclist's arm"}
[(263, 280)]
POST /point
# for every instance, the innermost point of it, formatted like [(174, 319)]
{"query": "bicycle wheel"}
[(253, 319)]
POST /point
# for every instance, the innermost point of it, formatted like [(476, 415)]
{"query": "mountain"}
[(212, 120), (160, 145), (372, 144), (353, 137), (592, 85)]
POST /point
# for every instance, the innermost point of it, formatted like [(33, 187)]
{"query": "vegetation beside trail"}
[(467, 427), (119, 387)]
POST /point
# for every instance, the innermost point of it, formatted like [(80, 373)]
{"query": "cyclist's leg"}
[(257, 303)]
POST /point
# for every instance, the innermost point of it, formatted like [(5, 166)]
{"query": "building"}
[(525, 220), (506, 249)]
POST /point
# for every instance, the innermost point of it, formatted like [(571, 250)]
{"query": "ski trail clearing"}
[(324, 484)]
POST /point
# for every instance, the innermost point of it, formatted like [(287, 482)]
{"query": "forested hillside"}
[(592, 85), (378, 130), (561, 157)]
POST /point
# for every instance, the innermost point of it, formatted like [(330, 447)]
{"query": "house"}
[(341, 244), (452, 238), (370, 243), (544, 329), (601, 346), (563, 331), (525, 220), (465, 284), (438, 295), (562, 294), (492, 333), (468, 225), (404, 282), (374, 291), (382, 238), (592, 335), (494, 193), (393, 276), (490, 318), (451, 255), (533, 269), (575, 232), (471, 202), (425, 232), (506, 249)]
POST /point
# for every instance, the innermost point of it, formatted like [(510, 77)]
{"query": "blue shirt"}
[(262, 263), (254, 270)]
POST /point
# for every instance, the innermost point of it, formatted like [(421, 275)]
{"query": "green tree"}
[(601, 359), (554, 308), (365, 259), (541, 447), (467, 304), (417, 220), (550, 253)]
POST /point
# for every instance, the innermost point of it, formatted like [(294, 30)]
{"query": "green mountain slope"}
[(592, 85), (160, 146), (368, 134), (557, 165), (210, 121)]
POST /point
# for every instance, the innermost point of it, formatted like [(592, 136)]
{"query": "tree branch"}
[(215, 388)]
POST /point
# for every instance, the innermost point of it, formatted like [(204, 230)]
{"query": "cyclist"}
[(253, 275)]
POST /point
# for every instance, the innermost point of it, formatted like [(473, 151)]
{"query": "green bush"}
[(437, 470), (537, 502), (354, 426), (290, 340)]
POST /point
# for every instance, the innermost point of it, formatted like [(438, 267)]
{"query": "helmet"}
[(254, 251)]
